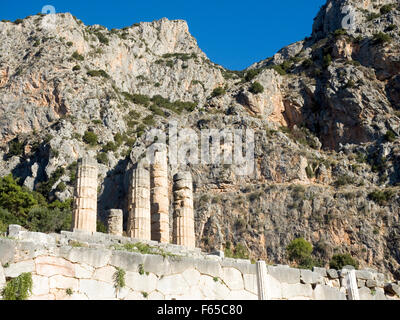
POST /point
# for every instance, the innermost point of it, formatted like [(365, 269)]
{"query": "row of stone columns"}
[(148, 202)]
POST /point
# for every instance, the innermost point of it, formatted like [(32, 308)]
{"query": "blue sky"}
[(232, 33)]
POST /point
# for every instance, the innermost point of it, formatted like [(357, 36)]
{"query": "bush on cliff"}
[(299, 250), (338, 261), (19, 205)]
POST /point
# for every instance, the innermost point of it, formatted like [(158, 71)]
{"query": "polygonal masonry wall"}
[(64, 261)]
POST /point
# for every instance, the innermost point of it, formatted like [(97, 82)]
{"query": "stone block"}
[(371, 283), (332, 274), (129, 261), (96, 290), (360, 283), (250, 283), (172, 285), (157, 264), (328, 293), (2, 277), (155, 295), (37, 238), (134, 295), (365, 294), (209, 267), (50, 266), (15, 269), (182, 264), (43, 297), (94, 257), (244, 266), (310, 277), (61, 282), (40, 285), (192, 277), (320, 271), (7, 251), (14, 230), (141, 283), (83, 271), (241, 295), (232, 278), (274, 288), (297, 291), (284, 274), (105, 274), (364, 275), (212, 288)]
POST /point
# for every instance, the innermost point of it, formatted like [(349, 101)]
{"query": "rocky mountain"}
[(325, 111)]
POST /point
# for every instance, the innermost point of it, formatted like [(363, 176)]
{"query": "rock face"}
[(326, 125)]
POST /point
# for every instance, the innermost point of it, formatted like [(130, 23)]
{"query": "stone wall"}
[(86, 263)]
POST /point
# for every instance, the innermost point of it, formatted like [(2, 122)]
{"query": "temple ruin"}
[(85, 198), (148, 202)]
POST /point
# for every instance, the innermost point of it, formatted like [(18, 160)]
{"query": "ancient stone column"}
[(159, 194), (351, 284), (262, 280), (183, 226), (115, 222), (85, 197), (139, 223)]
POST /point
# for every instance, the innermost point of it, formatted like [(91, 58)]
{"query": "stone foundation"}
[(86, 263)]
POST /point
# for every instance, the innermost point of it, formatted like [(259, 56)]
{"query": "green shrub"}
[(119, 278), (251, 74), (391, 27), (61, 187), (256, 88), (78, 56), (217, 92), (69, 44), (18, 21), (381, 38), (386, 8), (90, 138), (102, 38), (307, 63), (15, 148), (390, 136), (381, 197), (137, 98), (98, 73), (344, 180), (340, 32), (338, 261), (372, 16), (299, 250), (101, 227), (149, 120), (238, 252), (102, 158), (76, 68), (327, 60), (279, 69), (18, 288)]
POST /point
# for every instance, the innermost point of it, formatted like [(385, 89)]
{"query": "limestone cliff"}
[(326, 123)]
